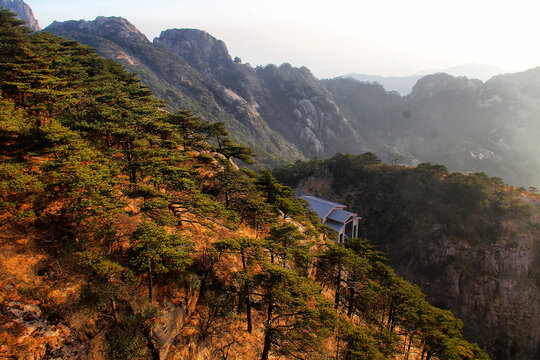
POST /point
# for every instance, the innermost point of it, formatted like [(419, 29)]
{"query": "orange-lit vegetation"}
[(138, 237)]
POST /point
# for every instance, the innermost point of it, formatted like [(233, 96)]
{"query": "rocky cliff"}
[(493, 287), (503, 275), (23, 11), (108, 27), (202, 51), (288, 107), (291, 100)]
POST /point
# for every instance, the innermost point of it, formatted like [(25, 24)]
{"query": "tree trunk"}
[(133, 176), (267, 342), (113, 308), (150, 285), (248, 314), (409, 347), (350, 312), (268, 333), (338, 286), (391, 315)]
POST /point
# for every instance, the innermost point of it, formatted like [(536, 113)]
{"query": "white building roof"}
[(321, 206), (340, 215)]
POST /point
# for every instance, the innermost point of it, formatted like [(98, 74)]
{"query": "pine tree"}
[(286, 242), (298, 317), (278, 195), (249, 249), (156, 252)]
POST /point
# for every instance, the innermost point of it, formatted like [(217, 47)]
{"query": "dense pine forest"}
[(128, 232), (470, 241)]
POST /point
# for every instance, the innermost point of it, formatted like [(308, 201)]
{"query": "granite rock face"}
[(23, 11), (493, 289), (202, 51), (290, 100)]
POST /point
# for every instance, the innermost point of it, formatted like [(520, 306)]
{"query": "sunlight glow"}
[(388, 37)]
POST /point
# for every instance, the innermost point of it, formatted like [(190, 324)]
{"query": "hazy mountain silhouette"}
[(404, 84)]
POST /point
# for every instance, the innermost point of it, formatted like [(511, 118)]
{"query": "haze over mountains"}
[(404, 84), (286, 113)]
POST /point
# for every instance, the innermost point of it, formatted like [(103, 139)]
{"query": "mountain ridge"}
[(404, 84), (174, 80), (445, 119)]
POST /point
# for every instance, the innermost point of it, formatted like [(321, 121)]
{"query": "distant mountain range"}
[(285, 113), (404, 84)]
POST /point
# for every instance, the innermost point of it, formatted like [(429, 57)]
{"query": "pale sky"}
[(335, 37)]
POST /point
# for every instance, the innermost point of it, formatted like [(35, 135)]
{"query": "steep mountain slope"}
[(198, 73), (23, 11), (291, 100), (173, 80)]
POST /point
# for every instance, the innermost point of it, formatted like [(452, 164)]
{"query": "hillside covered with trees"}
[(470, 241), (128, 232)]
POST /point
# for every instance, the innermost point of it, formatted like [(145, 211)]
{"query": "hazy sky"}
[(334, 37)]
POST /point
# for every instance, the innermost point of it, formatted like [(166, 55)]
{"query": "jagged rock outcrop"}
[(108, 27), (23, 11), (291, 100), (202, 51), (170, 323)]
